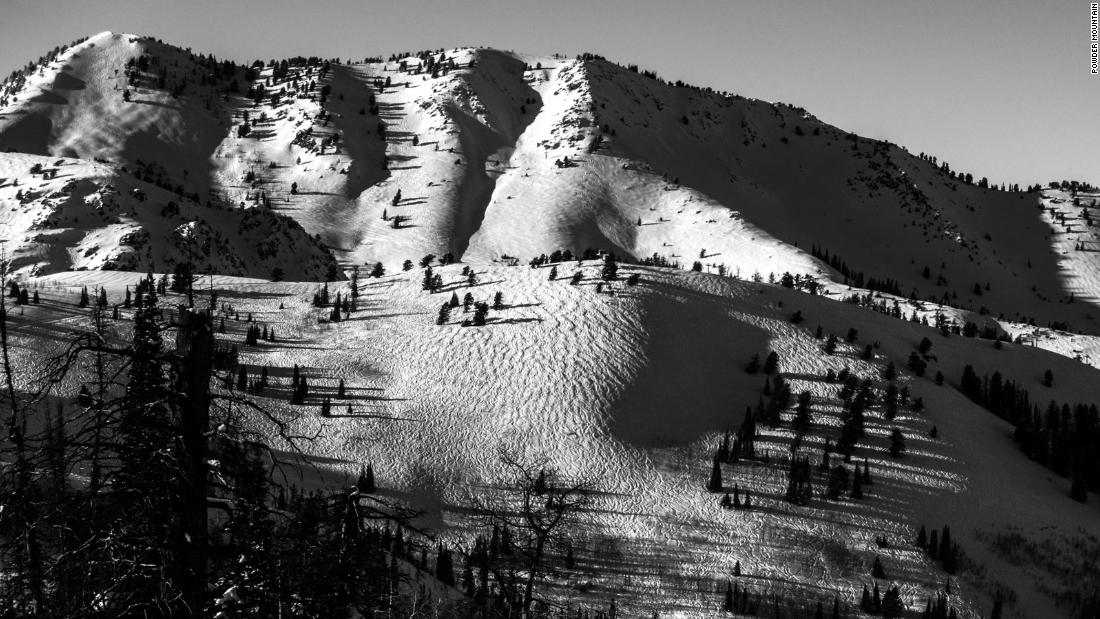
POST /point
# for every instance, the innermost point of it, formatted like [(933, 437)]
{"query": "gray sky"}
[(998, 88)]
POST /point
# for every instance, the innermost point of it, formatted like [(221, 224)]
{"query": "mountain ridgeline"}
[(492, 156)]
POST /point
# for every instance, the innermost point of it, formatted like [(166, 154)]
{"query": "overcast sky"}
[(998, 88)]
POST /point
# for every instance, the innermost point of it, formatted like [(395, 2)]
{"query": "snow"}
[(631, 388)]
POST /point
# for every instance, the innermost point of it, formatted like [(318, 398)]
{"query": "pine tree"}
[(857, 486), (891, 371), (838, 482), (83, 297), (610, 270), (877, 571), (892, 606), (481, 313), (444, 314), (444, 566), (897, 443), (365, 484), (715, 482), (771, 364)]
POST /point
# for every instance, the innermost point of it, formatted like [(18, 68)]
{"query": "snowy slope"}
[(493, 156), (75, 215), (633, 390), (473, 138), (75, 107), (722, 179)]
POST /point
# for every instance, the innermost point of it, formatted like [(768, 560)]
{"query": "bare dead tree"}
[(22, 504), (540, 507)]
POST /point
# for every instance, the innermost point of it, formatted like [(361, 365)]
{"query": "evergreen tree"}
[(481, 313), (799, 482), (838, 482), (892, 606), (891, 371), (897, 443), (444, 314), (715, 482), (857, 486), (365, 484), (771, 364), (877, 571), (610, 270), (444, 566)]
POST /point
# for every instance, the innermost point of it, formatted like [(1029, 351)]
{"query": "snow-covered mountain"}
[(124, 153), (490, 154)]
